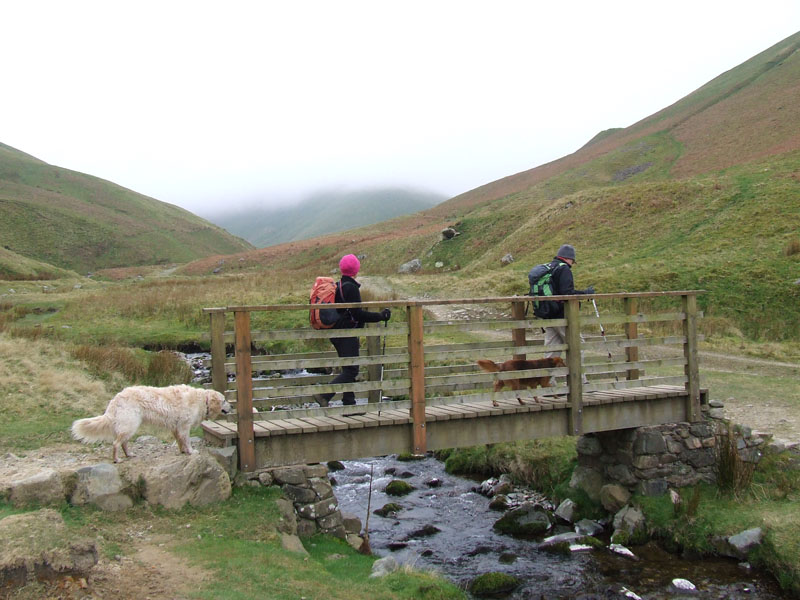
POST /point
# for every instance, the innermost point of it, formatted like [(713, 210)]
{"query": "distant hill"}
[(83, 223), (322, 213), (704, 194)]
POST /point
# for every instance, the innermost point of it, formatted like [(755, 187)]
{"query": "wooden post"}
[(219, 379), (374, 371), (518, 335), (244, 396), (632, 333), (691, 368), (574, 378), (416, 371)]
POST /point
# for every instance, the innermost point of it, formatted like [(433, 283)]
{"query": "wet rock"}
[(499, 503), (335, 465), (567, 510), (433, 483), (398, 488), (527, 521), (388, 510), (493, 585), (425, 531), (588, 527), (395, 546)]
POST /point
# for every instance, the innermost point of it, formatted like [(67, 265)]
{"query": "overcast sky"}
[(209, 104)]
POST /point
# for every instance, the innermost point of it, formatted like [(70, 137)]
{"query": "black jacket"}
[(348, 291), (563, 284)]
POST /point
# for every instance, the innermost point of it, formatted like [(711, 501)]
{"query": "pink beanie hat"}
[(349, 265)]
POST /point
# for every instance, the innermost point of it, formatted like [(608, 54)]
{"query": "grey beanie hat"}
[(566, 251)]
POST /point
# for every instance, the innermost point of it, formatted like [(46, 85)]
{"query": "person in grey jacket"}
[(563, 285)]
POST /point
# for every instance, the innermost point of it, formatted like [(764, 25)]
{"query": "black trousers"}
[(345, 347)]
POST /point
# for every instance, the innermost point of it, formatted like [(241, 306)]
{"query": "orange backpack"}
[(323, 292)]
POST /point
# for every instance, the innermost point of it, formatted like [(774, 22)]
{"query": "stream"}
[(466, 545)]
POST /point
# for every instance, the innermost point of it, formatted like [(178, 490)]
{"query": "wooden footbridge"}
[(423, 390)]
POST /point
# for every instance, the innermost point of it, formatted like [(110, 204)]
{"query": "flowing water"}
[(466, 545)]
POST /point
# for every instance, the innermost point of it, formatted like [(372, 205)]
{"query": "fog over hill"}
[(324, 212)]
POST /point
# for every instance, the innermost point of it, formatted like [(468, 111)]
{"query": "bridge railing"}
[(420, 360)]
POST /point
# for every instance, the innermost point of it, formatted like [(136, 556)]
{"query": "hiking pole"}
[(383, 366), (603, 333)]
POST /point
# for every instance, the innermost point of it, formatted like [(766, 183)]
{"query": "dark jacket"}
[(563, 284), (349, 318)]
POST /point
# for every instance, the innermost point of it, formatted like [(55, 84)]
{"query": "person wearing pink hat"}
[(349, 318)]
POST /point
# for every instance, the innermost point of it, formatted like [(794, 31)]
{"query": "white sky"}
[(209, 104)]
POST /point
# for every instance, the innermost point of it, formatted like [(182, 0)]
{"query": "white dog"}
[(177, 408)]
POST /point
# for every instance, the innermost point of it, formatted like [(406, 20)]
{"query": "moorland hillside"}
[(701, 195), (75, 221)]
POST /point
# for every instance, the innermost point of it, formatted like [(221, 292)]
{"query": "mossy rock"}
[(387, 510), (408, 457), (524, 522), (557, 548), (398, 487), (493, 585)]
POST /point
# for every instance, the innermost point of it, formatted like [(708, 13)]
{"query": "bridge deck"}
[(370, 430)]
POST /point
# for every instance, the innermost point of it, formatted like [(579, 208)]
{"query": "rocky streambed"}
[(446, 524)]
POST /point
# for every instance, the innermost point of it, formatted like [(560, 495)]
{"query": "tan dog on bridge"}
[(517, 364), (176, 408)]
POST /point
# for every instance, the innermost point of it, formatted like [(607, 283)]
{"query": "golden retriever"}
[(177, 408), (517, 364)]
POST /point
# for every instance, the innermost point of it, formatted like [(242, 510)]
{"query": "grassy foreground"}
[(237, 544)]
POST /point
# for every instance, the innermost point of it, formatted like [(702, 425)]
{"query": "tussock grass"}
[(43, 389), (734, 473)]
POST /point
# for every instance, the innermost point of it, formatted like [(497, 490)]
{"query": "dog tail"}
[(488, 365), (93, 429)]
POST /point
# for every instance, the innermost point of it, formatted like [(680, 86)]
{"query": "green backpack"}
[(540, 279)]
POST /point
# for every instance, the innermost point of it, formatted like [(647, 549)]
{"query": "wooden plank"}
[(219, 377), (401, 417), (574, 359), (288, 427), (259, 430), (244, 393), (303, 425), (518, 334), (338, 424), (320, 424), (365, 420), (416, 369), (348, 422), (434, 413), (272, 427)]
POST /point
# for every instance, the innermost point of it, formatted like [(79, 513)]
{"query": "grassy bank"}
[(234, 552)]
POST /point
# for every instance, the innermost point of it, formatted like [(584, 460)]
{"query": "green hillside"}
[(322, 213), (79, 222), (704, 194)]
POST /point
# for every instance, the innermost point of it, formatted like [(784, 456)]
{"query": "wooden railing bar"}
[(423, 303)]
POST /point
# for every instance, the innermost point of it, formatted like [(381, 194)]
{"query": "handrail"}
[(414, 354), (403, 303)]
